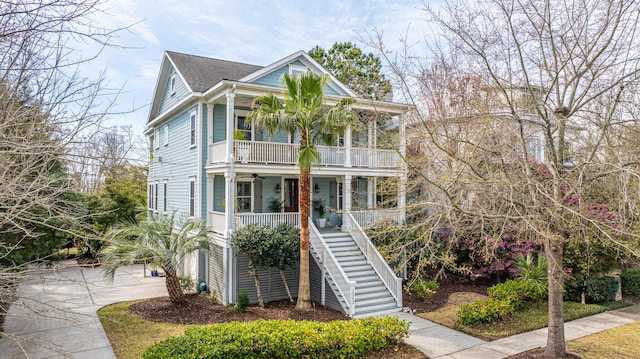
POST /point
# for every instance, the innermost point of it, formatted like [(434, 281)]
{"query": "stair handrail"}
[(345, 286), (379, 264)]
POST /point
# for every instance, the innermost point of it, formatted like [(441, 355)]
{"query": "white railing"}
[(393, 283), (329, 265), (331, 155), (374, 158), (216, 221), (217, 152), (287, 153), (367, 218), (267, 219)]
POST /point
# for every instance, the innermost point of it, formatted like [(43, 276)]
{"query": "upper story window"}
[(157, 138), (192, 127), (296, 69), (243, 128), (172, 84)]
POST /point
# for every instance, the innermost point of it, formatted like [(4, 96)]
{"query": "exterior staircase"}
[(372, 297)]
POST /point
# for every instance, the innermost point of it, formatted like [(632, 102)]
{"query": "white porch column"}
[(347, 147), (346, 193), (370, 193), (402, 199), (230, 201), (402, 187), (231, 124), (209, 129)]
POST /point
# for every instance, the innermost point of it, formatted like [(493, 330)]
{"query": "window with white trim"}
[(164, 195), (243, 196), (172, 84), (166, 135), (155, 196), (192, 128), (192, 197), (157, 138), (297, 69), (243, 126), (150, 197)]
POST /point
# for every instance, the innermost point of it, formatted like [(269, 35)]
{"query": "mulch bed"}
[(449, 285), (202, 310), (539, 354)]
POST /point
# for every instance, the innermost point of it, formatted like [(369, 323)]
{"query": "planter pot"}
[(321, 222)]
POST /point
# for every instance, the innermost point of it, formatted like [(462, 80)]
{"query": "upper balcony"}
[(260, 152)]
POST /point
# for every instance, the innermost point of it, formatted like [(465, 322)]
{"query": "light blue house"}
[(208, 161)]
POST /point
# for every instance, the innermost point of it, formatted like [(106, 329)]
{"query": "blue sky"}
[(257, 32)]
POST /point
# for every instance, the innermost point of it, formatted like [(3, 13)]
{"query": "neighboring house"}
[(209, 161)]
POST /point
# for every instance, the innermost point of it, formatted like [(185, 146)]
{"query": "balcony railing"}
[(268, 219), (367, 218), (287, 154)]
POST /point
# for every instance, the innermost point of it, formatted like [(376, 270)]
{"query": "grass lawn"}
[(617, 343), (532, 318), (129, 334)]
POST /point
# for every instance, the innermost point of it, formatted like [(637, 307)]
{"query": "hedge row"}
[(630, 282), (283, 339)]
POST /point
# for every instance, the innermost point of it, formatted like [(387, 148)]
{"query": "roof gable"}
[(270, 75)]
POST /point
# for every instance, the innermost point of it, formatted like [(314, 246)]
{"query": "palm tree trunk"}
[(304, 291), (176, 295)]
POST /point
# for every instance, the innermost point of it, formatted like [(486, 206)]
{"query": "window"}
[(339, 204), (150, 197), (243, 127), (166, 135), (157, 138), (164, 196), (151, 141), (155, 196), (243, 199), (172, 84), (192, 197), (534, 148), (297, 69), (193, 128)]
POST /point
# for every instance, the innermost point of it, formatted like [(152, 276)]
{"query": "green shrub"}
[(601, 289), (186, 283), (243, 301), (283, 339), (425, 288), (630, 282), (517, 292), (482, 311)]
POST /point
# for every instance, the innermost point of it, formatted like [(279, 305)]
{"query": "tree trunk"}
[(555, 275), (176, 295), (304, 291), (286, 286), (257, 280)]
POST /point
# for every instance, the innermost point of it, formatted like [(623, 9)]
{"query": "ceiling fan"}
[(255, 175)]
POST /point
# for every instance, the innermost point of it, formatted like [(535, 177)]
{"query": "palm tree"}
[(162, 241), (304, 112)]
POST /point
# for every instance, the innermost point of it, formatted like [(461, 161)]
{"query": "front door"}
[(291, 195)]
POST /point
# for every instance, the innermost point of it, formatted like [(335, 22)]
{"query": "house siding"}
[(181, 91), (216, 270), (218, 193), (179, 162), (219, 123)]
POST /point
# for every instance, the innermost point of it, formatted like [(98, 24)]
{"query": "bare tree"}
[(528, 111), (46, 109)]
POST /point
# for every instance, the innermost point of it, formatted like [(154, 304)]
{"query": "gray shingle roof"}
[(203, 72)]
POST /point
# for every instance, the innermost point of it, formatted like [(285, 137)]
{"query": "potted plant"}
[(320, 209), (275, 205)]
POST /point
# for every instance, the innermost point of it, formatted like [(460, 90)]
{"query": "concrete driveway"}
[(55, 313)]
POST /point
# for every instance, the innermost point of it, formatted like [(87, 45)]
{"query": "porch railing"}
[(287, 153), (268, 219), (329, 266), (216, 221), (393, 283), (367, 218)]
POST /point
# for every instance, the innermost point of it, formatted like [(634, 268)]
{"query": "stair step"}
[(375, 295), (349, 268), (342, 244), (354, 261), (375, 310), (368, 290), (336, 234), (364, 277), (375, 301)]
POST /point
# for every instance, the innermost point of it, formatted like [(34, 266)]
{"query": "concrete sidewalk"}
[(55, 313), (439, 342)]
